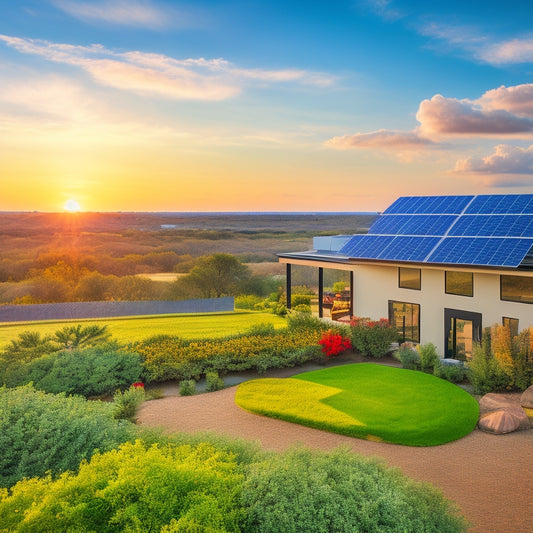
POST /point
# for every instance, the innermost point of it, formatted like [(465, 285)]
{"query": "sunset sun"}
[(71, 206)]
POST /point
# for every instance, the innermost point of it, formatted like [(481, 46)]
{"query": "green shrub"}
[(304, 490), (46, 432), (187, 387), (300, 299), (408, 356), (484, 370), (372, 338), (454, 373), (248, 301), (134, 488), (91, 371), (213, 382), (298, 321), (261, 329), (428, 356), (126, 403)]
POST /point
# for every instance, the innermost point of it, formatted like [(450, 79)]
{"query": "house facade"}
[(439, 268)]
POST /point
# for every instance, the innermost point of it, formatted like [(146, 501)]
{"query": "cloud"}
[(381, 140), (450, 116), (160, 75), (481, 47), (383, 9), (123, 12), (517, 99), (505, 159)]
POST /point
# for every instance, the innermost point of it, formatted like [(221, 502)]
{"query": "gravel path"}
[(490, 477)]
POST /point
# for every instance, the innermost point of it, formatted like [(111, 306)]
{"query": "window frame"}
[(391, 303), (446, 272), (510, 319), (419, 270), (508, 299)]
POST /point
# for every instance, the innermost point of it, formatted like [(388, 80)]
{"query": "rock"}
[(499, 422), (496, 402), (526, 400)]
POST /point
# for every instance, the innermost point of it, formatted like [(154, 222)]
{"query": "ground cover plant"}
[(367, 401), (131, 329)]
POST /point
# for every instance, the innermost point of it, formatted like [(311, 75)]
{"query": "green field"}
[(130, 329), (368, 401)]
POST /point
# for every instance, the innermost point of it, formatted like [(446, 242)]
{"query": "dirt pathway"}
[(490, 477)]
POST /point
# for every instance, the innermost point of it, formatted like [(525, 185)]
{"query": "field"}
[(131, 329), (367, 401)]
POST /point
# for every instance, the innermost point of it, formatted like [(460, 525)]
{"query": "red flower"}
[(138, 385), (334, 343)]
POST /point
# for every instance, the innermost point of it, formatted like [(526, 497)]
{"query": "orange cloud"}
[(382, 140)]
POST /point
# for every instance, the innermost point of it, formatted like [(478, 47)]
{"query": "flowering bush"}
[(334, 343), (138, 385), (372, 337)]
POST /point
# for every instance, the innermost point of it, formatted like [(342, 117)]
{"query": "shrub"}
[(46, 432), (213, 382), (187, 387), (300, 299), (261, 329), (91, 371), (298, 321), (302, 308), (134, 488), (428, 357), (304, 490), (126, 403), (454, 373), (334, 343), (248, 301), (408, 356), (372, 338)]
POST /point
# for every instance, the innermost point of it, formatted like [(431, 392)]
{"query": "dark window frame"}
[(419, 270), (501, 290), (457, 293), (391, 302)]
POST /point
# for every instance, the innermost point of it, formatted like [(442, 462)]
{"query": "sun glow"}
[(72, 206)]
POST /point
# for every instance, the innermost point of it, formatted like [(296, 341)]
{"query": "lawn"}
[(130, 329), (367, 401)]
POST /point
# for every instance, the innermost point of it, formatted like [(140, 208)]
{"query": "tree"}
[(217, 275)]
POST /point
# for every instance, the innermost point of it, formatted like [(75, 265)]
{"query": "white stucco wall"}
[(375, 285)]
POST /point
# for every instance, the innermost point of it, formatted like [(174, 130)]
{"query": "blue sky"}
[(154, 105)]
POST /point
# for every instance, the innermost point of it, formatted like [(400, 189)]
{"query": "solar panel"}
[(488, 251), (428, 205), (493, 226), (412, 225), (485, 230), (512, 204)]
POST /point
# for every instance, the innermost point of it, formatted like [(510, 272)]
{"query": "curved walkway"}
[(490, 477)]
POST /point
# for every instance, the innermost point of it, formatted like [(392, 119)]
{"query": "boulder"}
[(526, 400), (499, 422), (497, 402)]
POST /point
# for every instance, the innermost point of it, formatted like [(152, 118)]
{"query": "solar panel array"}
[(484, 230)]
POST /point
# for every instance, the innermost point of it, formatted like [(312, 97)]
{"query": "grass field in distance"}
[(131, 329)]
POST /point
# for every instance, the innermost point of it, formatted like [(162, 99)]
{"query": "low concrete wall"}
[(23, 313)]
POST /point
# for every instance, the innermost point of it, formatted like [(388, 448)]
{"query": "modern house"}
[(440, 268)]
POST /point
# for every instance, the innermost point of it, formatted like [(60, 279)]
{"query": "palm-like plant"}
[(76, 336)]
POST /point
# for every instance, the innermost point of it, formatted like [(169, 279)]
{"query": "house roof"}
[(494, 231)]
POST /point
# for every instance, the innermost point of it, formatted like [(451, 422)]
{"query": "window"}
[(461, 283), (512, 324), (409, 278), (516, 289), (405, 317)]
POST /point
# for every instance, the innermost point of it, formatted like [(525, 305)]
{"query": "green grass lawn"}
[(130, 329), (368, 401)]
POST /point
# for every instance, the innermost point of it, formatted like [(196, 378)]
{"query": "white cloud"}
[(123, 12), (480, 46), (506, 159), (381, 140), (160, 75), (450, 116), (517, 99)]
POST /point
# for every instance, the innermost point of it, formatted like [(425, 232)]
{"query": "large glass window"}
[(517, 289), (461, 283), (409, 278), (405, 317)]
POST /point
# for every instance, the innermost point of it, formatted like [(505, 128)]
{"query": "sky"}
[(154, 105)]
